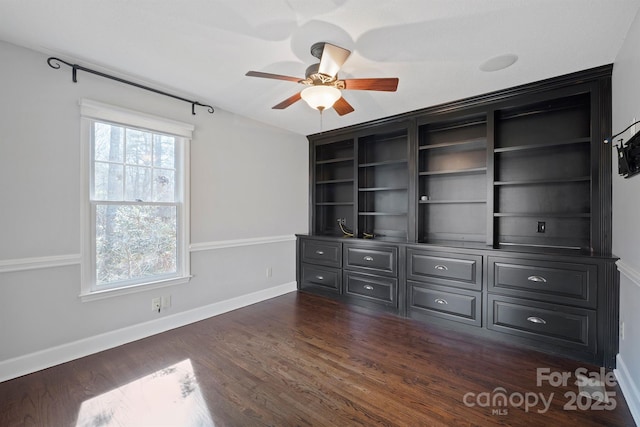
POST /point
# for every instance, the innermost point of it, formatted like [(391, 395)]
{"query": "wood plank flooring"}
[(303, 360)]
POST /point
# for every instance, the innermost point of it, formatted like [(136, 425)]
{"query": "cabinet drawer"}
[(321, 277), (566, 326), (459, 305), (378, 289), (546, 281), (462, 270), (379, 259), (322, 253)]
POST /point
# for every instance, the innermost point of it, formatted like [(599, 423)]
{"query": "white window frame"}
[(91, 111)]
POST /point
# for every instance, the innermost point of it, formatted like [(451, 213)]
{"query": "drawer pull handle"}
[(536, 320), (368, 258), (368, 287), (441, 301), (441, 267), (538, 279), (319, 252), (320, 277)]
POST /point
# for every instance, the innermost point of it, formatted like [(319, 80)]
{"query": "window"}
[(136, 200)]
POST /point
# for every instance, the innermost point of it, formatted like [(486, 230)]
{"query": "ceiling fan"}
[(324, 86)]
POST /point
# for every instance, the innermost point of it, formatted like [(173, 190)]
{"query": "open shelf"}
[(383, 189), (338, 160), (335, 181), (449, 202), (543, 145), (382, 213), (383, 163), (544, 181), (455, 172), (470, 144), (543, 214), (334, 204)]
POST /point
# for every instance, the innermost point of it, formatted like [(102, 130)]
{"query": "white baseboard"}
[(629, 388), (43, 359)]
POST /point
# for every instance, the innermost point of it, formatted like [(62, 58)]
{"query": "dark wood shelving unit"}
[(334, 177), (383, 184), (454, 208), (452, 169), (545, 146)]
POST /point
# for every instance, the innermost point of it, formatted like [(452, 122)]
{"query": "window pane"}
[(134, 241), (138, 147), (164, 151), (138, 185), (108, 142), (164, 184), (107, 181)]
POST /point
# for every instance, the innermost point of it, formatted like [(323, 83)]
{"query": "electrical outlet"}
[(269, 271), (621, 330), (542, 227), (156, 304)]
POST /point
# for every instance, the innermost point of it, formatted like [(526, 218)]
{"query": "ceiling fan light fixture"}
[(321, 97)]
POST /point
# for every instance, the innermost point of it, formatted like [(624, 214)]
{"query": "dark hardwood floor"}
[(301, 359)]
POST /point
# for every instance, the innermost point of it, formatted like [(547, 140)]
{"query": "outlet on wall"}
[(155, 304)]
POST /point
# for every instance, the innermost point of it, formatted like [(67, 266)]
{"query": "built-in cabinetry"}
[(490, 215), (452, 179)]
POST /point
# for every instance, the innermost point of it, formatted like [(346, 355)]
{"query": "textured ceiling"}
[(203, 48)]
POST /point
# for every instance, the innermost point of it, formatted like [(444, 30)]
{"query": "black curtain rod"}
[(75, 67)]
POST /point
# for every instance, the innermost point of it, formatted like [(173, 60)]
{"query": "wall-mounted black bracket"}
[(55, 63), (628, 154)]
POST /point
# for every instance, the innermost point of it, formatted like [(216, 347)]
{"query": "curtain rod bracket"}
[(55, 63)]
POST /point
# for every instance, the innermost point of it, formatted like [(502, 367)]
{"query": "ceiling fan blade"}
[(385, 84), (272, 76), (287, 102), (342, 107), (332, 59)]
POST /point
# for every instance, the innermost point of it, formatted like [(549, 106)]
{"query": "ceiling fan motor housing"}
[(317, 49), (314, 78)]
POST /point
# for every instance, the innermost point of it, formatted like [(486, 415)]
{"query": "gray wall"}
[(248, 181), (626, 215)]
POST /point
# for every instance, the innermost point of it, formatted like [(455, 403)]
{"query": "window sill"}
[(109, 293)]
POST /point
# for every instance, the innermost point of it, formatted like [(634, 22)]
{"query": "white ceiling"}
[(203, 48)]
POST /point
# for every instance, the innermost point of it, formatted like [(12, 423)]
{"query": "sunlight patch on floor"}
[(168, 397)]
